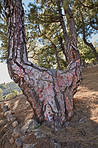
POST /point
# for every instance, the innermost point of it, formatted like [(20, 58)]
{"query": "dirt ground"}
[(82, 131)]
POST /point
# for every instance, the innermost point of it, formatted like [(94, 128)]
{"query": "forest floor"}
[(82, 131)]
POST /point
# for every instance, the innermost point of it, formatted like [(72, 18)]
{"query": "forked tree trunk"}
[(50, 92)]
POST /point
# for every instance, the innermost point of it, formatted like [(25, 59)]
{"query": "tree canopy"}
[(45, 40)]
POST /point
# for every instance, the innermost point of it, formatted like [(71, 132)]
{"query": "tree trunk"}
[(50, 92)]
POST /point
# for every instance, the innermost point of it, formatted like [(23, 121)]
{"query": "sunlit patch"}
[(16, 105)]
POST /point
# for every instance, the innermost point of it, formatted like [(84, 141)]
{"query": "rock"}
[(13, 112), (29, 126), (57, 145), (36, 130), (29, 145), (5, 108), (15, 123), (39, 134), (2, 122), (11, 140), (2, 103), (19, 142), (81, 120), (2, 113), (7, 113), (11, 118), (15, 134)]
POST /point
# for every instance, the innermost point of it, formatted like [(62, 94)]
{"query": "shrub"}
[(12, 94), (9, 96), (15, 92), (3, 86), (1, 96), (21, 92)]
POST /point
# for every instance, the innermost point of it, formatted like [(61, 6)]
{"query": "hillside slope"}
[(81, 132), (8, 88)]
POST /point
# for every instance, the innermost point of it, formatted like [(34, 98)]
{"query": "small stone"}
[(36, 130), (81, 121), (18, 142), (2, 113), (24, 129), (29, 145), (15, 134), (5, 108), (11, 140), (2, 122), (39, 134), (7, 113), (2, 103), (15, 123), (57, 145), (29, 126), (11, 118), (13, 112), (66, 124)]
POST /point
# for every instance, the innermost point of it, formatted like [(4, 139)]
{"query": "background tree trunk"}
[(50, 92), (92, 48)]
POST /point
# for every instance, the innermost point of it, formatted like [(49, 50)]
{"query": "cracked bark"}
[(50, 92)]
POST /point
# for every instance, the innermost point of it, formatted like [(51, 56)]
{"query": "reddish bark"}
[(50, 92)]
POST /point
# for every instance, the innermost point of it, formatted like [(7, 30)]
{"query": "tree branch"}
[(63, 48), (55, 48), (90, 6), (92, 25)]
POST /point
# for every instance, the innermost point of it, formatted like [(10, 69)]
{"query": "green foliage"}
[(12, 94), (1, 96), (44, 27), (1, 6), (3, 37), (86, 53), (85, 15), (96, 45), (9, 96), (3, 86), (43, 31), (1, 91), (10, 90), (15, 92), (20, 92)]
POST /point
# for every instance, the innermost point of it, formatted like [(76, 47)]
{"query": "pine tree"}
[(49, 91)]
